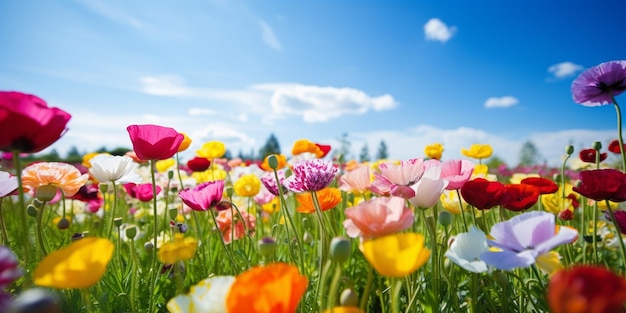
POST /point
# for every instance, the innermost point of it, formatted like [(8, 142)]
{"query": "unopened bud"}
[(597, 146), (340, 249), (118, 221), (31, 210), (148, 246), (307, 237), (46, 193), (170, 174), (267, 246), (272, 161), (229, 192), (445, 218), (63, 223), (569, 149), (131, 232), (173, 212), (349, 298), (104, 187)]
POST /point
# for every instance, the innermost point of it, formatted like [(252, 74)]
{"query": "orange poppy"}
[(328, 198)]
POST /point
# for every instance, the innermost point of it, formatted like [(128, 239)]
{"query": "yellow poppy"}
[(212, 174), (181, 249), (79, 265), (478, 151), (434, 151), (247, 185), (450, 201), (396, 255), (185, 144), (272, 207), (305, 145), (163, 165), (212, 150), (87, 158)]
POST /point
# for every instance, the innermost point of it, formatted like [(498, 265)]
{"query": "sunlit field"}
[(308, 229)]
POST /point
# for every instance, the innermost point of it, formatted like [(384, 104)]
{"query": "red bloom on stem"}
[(203, 196), (153, 142), (521, 196), (324, 148), (604, 184), (620, 219), (614, 147), (198, 164), (586, 289), (589, 155), (544, 185), (27, 124), (484, 194)]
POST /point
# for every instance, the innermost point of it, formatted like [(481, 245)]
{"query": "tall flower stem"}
[(618, 233), (113, 209), (22, 207), (395, 295), (458, 194), (40, 242), (221, 240), (154, 272), (283, 205), (3, 226), (322, 229), (134, 277), (620, 138), (594, 236), (368, 287), (334, 286)]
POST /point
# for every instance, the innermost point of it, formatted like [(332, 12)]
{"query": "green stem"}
[(113, 209), (619, 235), (286, 213), (458, 194), (321, 283), (135, 272), (620, 139), (221, 240), (334, 287), (3, 226), (86, 299), (368, 287), (395, 295), (595, 233), (154, 272), (40, 242), (22, 208)]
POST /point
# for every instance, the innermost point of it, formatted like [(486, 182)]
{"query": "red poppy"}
[(544, 185), (27, 124), (614, 147), (324, 148), (521, 196), (153, 142), (198, 164), (603, 184), (589, 155), (566, 215), (620, 218), (575, 202), (586, 289), (484, 194)]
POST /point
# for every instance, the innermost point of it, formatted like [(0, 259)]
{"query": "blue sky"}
[(410, 73)]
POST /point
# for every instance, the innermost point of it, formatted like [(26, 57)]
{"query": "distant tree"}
[(73, 156), (494, 162), (382, 151), (344, 148), (364, 156), (228, 155), (52, 156), (103, 149), (529, 154), (271, 146), (119, 151)]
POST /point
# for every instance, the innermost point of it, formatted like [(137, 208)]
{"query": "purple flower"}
[(599, 84), (310, 175), (9, 267), (269, 181), (204, 196), (524, 238)]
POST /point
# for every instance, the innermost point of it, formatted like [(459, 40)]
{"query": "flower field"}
[(149, 231)]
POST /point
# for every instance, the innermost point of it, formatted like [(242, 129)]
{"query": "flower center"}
[(617, 86)]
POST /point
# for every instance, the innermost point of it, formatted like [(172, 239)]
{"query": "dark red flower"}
[(589, 155), (614, 146), (586, 289), (87, 193), (484, 194), (521, 196), (544, 185), (198, 164), (325, 149), (603, 184), (27, 124), (153, 142), (620, 218), (566, 215), (574, 198)]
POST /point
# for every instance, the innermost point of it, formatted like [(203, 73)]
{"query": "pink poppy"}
[(457, 173), (8, 184), (429, 188), (153, 142), (142, 192), (356, 180), (397, 178), (378, 217), (27, 124), (203, 196), (229, 227)]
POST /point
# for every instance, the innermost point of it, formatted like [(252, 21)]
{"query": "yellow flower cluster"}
[(181, 249)]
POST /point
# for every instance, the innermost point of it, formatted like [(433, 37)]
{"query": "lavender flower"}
[(310, 175), (599, 84), (524, 238), (269, 181)]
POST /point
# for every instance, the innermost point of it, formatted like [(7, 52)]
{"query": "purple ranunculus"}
[(598, 85), (310, 175), (525, 237)]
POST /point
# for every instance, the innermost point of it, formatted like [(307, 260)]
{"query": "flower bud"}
[(272, 161), (569, 149), (31, 210), (349, 298), (37, 203), (566, 215), (229, 192), (597, 145), (306, 223), (131, 232), (267, 246), (340, 249), (117, 221), (104, 187), (307, 238), (170, 174), (445, 218), (148, 246), (182, 227), (63, 223), (46, 193), (173, 212)]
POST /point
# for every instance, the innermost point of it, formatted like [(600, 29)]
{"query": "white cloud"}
[(565, 69), (437, 30), (201, 112), (501, 102), (113, 14), (269, 37)]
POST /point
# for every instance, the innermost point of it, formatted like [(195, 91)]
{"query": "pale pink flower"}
[(229, 227), (397, 178), (456, 172), (357, 180), (429, 188), (264, 196), (8, 184), (269, 181), (378, 217)]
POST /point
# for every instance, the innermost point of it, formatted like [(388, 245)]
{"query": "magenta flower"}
[(269, 181), (620, 219), (525, 237), (599, 84), (378, 217), (8, 184), (397, 178), (27, 124), (153, 142), (9, 267), (204, 196), (142, 192), (457, 173), (310, 175)]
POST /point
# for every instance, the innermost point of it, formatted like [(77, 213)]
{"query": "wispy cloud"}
[(107, 11), (201, 112), (269, 37), (501, 102), (564, 69), (437, 30)]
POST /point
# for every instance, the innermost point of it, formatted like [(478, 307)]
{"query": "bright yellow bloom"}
[(60, 175), (185, 144), (328, 198), (517, 178), (478, 151), (344, 309), (87, 157), (282, 162), (181, 249), (305, 145), (554, 202), (212, 150), (247, 185), (602, 205), (212, 174), (396, 255), (163, 165), (549, 262), (272, 207), (79, 265), (207, 296), (450, 201), (434, 151)]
